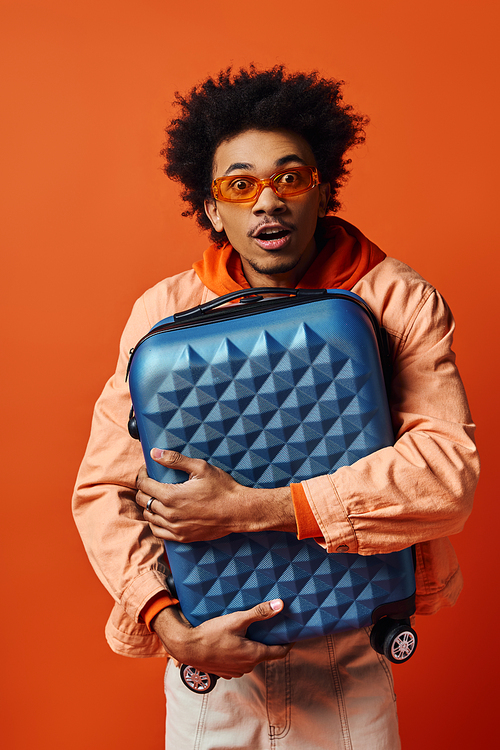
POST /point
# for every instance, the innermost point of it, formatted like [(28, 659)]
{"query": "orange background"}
[(89, 222)]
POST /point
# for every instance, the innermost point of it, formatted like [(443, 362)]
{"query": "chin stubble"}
[(284, 267)]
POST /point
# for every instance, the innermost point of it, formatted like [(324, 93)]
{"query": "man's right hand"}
[(219, 645)]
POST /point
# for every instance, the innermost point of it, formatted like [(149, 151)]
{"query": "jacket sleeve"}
[(422, 488), (127, 558)]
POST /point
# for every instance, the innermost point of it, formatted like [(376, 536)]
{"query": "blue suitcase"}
[(275, 390)]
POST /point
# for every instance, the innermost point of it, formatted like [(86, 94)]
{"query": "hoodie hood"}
[(346, 256)]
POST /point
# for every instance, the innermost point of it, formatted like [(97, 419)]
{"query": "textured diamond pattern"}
[(269, 416), (242, 570), (273, 398)]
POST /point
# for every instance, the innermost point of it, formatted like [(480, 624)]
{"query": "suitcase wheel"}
[(395, 639), (197, 681)]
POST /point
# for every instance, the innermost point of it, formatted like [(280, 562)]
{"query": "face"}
[(273, 235)]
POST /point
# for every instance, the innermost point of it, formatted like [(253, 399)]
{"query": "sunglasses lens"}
[(293, 182), (238, 189)]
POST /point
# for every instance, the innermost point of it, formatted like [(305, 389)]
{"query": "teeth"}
[(272, 231)]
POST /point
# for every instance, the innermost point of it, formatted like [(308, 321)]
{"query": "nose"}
[(268, 203)]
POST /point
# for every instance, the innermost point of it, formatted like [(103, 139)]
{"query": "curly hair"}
[(218, 109)]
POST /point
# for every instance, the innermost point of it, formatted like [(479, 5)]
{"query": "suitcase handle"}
[(194, 314), (245, 293)]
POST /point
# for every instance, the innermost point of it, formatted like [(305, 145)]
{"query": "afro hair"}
[(220, 108)]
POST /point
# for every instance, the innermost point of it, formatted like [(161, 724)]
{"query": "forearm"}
[(266, 510), (173, 630)]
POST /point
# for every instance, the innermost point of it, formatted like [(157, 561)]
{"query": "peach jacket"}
[(419, 490)]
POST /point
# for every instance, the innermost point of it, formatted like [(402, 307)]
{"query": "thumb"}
[(262, 611), (176, 460)]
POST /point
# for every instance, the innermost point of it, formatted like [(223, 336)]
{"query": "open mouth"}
[(272, 238)]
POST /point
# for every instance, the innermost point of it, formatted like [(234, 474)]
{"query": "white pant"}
[(332, 693)]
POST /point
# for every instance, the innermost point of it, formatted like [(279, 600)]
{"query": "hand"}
[(210, 504), (219, 645)]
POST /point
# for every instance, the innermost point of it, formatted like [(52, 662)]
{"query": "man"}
[(239, 142)]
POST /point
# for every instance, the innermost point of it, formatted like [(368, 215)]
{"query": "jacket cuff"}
[(143, 588), (334, 523), (307, 526), (156, 604)]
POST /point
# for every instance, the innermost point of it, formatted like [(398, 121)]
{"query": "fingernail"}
[(275, 604), (156, 453)]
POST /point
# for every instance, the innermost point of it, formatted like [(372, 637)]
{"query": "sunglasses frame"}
[(261, 184)]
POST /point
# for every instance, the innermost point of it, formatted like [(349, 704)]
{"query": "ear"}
[(324, 197), (213, 214)]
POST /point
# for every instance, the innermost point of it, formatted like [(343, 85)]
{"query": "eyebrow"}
[(279, 163)]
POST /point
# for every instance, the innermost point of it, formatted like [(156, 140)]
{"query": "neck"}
[(286, 279)]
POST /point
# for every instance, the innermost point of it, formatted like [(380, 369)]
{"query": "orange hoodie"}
[(345, 257)]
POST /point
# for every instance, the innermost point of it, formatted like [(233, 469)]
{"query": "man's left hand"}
[(210, 504)]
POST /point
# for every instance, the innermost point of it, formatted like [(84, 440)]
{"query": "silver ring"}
[(150, 503)]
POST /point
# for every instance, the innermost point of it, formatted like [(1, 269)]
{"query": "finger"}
[(178, 461), (148, 486), (143, 500), (151, 505), (163, 493), (162, 533), (156, 513), (277, 652), (142, 474)]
